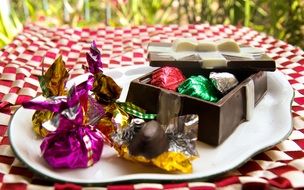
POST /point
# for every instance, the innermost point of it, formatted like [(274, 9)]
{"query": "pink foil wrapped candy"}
[(74, 144)]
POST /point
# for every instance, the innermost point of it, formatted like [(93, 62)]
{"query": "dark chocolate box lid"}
[(225, 55)]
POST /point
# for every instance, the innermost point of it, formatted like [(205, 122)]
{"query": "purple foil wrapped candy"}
[(74, 144)]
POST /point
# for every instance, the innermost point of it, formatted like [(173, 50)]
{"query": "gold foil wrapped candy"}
[(52, 83)]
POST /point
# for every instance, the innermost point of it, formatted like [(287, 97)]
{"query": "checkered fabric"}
[(281, 167)]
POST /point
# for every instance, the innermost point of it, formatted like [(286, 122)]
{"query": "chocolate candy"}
[(224, 81), (150, 141), (200, 87), (168, 78)]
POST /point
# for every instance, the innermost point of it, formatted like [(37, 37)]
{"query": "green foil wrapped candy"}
[(200, 87)]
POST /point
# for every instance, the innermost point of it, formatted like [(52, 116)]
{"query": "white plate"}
[(271, 123)]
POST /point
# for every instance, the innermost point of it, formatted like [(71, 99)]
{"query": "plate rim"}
[(138, 179)]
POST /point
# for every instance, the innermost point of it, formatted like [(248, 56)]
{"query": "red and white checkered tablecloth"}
[(281, 167)]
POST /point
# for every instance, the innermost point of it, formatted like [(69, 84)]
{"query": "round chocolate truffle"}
[(150, 141)]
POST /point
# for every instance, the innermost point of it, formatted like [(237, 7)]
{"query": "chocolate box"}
[(217, 121)]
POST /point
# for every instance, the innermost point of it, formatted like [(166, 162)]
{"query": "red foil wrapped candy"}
[(168, 78)]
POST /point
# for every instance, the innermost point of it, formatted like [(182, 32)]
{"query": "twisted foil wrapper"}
[(77, 94), (168, 78), (94, 59), (74, 143), (106, 92), (52, 83), (223, 81), (200, 87), (169, 146)]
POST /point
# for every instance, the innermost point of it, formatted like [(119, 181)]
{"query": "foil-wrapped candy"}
[(76, 143), (118, 115), (199, 87), (72, 145), (52, 83), (55, 104), (167, 145), (105, 88), (171, 149), (223, 81), (167, 77)]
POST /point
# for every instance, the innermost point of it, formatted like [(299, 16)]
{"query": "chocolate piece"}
[(150, 141), (216, 120), (249, 58)]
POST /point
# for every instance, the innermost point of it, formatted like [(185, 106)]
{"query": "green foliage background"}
[(283, 19)]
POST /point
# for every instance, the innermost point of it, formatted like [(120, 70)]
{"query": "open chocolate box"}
[(217, 120)]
